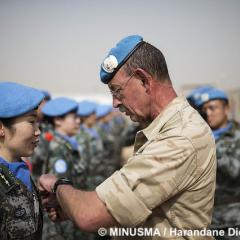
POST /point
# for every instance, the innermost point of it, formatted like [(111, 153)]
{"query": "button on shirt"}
[(169, 182)]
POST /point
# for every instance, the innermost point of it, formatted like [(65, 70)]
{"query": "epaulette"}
[(62, 141), (7, 180)]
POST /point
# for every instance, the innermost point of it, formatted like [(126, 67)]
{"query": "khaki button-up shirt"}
[(169, 182)]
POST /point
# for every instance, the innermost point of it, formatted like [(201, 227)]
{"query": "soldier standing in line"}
[(104, 117), (20, 207), (37, 160), (96, 166), (118, 124), (63, 158), (215, 105)]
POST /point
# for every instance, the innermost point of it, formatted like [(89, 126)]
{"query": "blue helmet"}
[(213, 94), (118, 56), (17, 99), (103, 110), (195, 95), (86, 108), (59, 106)]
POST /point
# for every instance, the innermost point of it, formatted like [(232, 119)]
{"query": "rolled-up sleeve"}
[(163, 169), (121, 201)]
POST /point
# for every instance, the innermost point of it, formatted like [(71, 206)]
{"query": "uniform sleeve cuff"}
[(121, 201)]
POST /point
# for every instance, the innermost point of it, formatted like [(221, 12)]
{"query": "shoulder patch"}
[(60, 166)]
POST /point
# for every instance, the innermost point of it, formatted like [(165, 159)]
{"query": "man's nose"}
[(116, 102)]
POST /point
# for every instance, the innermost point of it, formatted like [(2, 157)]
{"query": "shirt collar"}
[(7, 164), (168, 112), (222, 131), (20, 170)]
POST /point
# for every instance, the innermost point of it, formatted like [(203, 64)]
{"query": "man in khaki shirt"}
[(168, 185)]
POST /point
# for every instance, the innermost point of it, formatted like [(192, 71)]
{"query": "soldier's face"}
[(69, 124), (217, 113), (129, 95), (91, 120), (22, 137)]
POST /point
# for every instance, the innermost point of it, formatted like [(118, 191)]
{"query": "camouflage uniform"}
[(129, 133), (20, 209), (111, 162), (64, 161), (227, 197), (84, 143), (169, 182), (96, 162), (40, 156), (117, 125)]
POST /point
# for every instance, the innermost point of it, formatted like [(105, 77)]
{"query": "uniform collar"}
[(221, 131), (168, 112), (231, 131), (20, 170), (71, 140), (9, 164)]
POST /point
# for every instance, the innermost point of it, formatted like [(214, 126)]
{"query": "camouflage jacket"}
[(95, 152), (227, 195), (20, 209), (40, 156), (64, 161), (84, 142), (111, 158)]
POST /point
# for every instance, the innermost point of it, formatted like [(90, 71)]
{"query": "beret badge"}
[(205, 97), (109, 64)]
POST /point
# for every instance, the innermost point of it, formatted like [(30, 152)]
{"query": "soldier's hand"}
[(45, 184), (57, 215)]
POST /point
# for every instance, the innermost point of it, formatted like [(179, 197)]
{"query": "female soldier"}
[(63, 158), (20, 211)]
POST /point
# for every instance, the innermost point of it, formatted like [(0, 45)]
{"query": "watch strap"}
[(61, 181)]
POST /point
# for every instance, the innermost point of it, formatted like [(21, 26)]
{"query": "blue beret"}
[(195, 95), (17, 99), (118, 56), (86, 108), (103, 110), (213, 94), (59, 106)]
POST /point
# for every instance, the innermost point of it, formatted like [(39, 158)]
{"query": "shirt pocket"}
[(20, 220)]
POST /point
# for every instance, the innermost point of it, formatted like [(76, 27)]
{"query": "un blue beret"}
[(118, 56), (195, 95), (17, 99), (213, 94), (59, 106), (86, 108), (103, 110)]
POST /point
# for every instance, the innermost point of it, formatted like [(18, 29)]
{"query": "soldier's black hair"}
[(51, 119), (7, 122)]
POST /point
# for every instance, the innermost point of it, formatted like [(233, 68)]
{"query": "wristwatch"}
[(61, 181)]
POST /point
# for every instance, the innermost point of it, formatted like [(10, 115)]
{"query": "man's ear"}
[(145, 78), (2, 132)]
